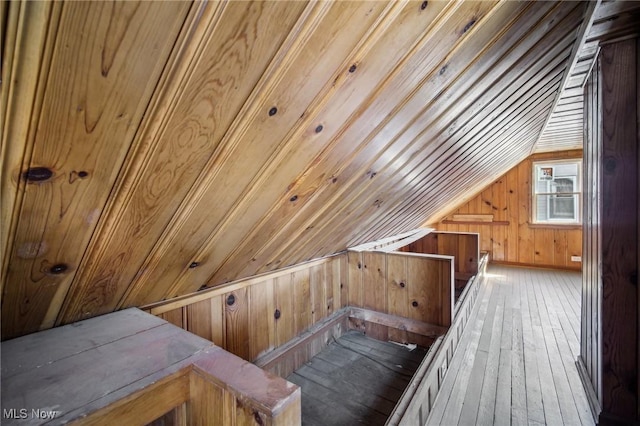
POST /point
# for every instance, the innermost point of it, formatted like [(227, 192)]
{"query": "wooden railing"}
[(132, 368)]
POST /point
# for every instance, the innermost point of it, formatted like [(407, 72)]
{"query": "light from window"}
[(557, 188)]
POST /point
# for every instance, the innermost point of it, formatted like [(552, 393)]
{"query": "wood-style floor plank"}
[(515, 364)]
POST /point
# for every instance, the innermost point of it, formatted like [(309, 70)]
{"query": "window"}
[(557, 188)]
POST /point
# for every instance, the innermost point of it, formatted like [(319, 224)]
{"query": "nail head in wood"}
[(353, 68), (273, 111), (58, 268), (414, 303), (37, 174), (231, 299), (402, 284), (277, 314), (319, 128)]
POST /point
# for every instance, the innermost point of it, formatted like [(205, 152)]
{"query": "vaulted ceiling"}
[(153, 148)]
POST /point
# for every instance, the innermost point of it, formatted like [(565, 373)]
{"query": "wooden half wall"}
[(463, 246), (408, 285), (252, 317), (511, 237)]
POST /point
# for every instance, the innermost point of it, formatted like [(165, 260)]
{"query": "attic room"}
[(307, 212)]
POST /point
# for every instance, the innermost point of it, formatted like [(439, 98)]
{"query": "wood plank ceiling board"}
[(232, 67), (429, 176), (276, 147), (612, 21), (233, 138), (333, 175), (95, 94)]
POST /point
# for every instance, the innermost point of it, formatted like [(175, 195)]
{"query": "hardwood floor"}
[(355, 380), (516, 362)]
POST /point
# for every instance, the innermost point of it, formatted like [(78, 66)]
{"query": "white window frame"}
[(577, 192)]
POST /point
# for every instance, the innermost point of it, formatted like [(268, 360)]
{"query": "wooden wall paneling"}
[(373, 60), (374, 281), (397, 293), (300, 86), (560, 245), (420, 288), (302, 301), (344, 280), (619, 221), (354, 259), (512, 240), (486, 231), (554, 245), (445, 173), (543, 246), (330, 287), (179, 140), (377, 115), (574, 246), (464, 209), (262, 321), (499, 207), (27, 49), (285, 324), (525, 233), (446, 303), (175, 317), (206, 319), (105, 94), (335, 285), (317, 287), (236, 320)]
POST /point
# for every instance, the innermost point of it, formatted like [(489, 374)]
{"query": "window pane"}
[(552, 207)]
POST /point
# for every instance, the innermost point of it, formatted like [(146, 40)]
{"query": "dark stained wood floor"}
[(355, 380), (516, 361)]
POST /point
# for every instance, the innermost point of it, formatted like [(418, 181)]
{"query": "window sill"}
[(555, 226)]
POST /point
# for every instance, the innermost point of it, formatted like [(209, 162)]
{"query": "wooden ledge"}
[(399, 323), (475, 222), (266, 391)]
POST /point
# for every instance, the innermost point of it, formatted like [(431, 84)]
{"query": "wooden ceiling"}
[(610, 21), (153, 148)]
